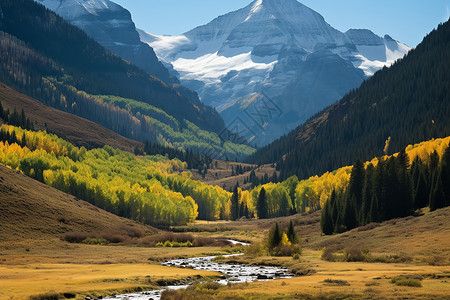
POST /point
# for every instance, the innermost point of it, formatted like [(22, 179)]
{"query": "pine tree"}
[(422, 192), (242, 210), (262, 204), (374, 215), (350, 214), (326, 221), (275, 236), (445, 176), (291, 234), (235, 204), (403, 159), (434, 162), (437, 197), (356, 184), (367, 194)]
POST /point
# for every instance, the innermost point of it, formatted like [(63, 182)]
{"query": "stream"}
[(233, 273)]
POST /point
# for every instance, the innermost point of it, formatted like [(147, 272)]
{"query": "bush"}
[(406, 281), (287, 250), (256, 249), (336, 282), (355, 254), (114, 237), (75, 237), (328, 254), (179, 240), (170, 244)]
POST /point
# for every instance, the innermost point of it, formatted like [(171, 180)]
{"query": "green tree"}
[(422, 192), (367, 194), (326, 221), (437, 197), (275, 236), (356, 184), (262, 204), (349, 216), (291, 234), (235, 204)]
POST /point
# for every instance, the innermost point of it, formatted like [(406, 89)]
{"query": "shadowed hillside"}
[(32, 210)]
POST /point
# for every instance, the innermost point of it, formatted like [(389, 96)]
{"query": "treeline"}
[(148, 189), (313, 193), (255, 180), (193, 159), (15, 119), (409, 102), (391, 189)]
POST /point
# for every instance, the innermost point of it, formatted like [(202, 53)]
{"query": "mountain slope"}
[(33, 210), (273, 47), (59, 65), (111, 25), (408, 102), (93, 69), (76, 130)]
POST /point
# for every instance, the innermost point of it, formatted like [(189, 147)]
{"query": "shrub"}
[(355, 254), (75, 237), (352, 254), (114, 237), (286, 250), (256, 249), (336, 282), (406, 281), (328, 254)]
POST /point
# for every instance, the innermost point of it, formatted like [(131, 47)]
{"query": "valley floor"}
[(47, 266), (33, 268)]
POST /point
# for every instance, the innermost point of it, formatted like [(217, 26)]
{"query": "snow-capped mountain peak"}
[(279, 47)]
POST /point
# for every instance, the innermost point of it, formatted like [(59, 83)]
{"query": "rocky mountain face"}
[(272, 64), (111, 25)]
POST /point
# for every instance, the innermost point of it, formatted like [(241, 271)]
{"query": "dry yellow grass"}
[(34, 267), (423, 237), (360, 279), (23, 281)]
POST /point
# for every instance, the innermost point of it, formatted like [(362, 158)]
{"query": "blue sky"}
[(405, 20)]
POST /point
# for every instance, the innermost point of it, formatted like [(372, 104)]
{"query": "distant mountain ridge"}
[(281, 48)]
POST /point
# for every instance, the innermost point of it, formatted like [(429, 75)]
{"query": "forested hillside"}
[(148, 189), (380, 189), (404, 104), (58, 64), (392, 188), (74, 129)]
